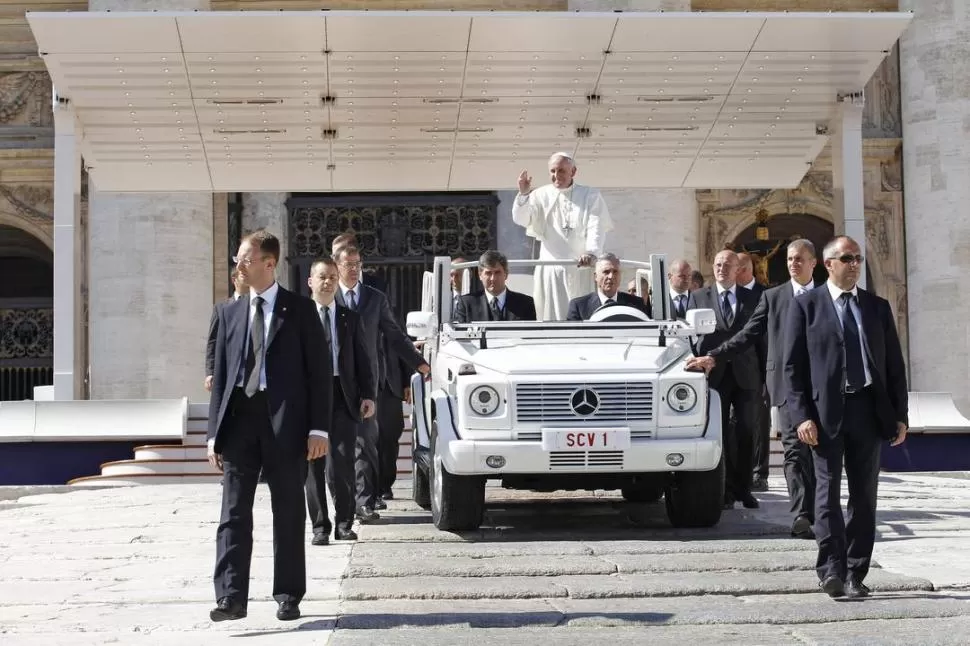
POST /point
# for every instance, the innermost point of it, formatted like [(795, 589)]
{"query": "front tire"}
[(457, 502), (696, 498)]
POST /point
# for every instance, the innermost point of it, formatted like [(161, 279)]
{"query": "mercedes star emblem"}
[(585, 402)]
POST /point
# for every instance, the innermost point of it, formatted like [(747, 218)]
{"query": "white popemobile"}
[(544, 406)]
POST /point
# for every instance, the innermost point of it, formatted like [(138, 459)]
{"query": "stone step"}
[(156, 467), (664, 584), (163, 452), (147, 478), (573, 614)]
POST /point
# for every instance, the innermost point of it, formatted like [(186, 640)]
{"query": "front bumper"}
[(467, 457)]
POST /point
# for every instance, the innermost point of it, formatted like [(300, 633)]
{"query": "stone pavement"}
[(132, 565)]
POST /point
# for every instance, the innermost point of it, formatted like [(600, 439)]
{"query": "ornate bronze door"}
[(399, 234)]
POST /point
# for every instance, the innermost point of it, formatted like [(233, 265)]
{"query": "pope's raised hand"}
[(525, 183)]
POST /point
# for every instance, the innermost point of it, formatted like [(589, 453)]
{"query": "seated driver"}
[(496, 303), (607, 277)]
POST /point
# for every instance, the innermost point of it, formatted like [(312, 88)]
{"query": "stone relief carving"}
[(881, 116), (32, 202), (25, 99), (891, 172), (877, 230), (26, 333)]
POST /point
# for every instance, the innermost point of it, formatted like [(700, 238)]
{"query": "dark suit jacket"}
[(398, 374), (380, 325), (766, 326), (582, 307), (815, 362), (761, 346), (673, 306), (474, 307), (357, 378), (210, 346), (375, 281), (744, 365), (298, 382)]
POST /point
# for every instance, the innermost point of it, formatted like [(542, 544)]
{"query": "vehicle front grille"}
[(554, 403), (566, 460)]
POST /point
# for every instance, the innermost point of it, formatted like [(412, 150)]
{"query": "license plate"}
[(587, 439)]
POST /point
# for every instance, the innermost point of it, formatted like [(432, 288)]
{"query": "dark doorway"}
[(399, 234), (26, 314), (782, 229)]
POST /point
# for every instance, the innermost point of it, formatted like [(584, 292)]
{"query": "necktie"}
[(496, 310), (254, 358), (609, 301), (327, 333), (352, 299), (681, 300), (726, 309), (854, 368)]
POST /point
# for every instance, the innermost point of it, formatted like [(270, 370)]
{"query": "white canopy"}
[(357, 101)]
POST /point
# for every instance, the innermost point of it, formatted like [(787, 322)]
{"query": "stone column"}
[(268, 211), (648, 220), (848, 209), (936, 167), (150, 279)]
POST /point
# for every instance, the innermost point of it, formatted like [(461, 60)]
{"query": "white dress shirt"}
[(798, 289), (334, 341), (344, 291), (836, 292), (500, 298), (750, 285), (604, 297)]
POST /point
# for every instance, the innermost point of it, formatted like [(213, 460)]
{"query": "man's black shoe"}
[(288, 611), (759, 484), (321, 539), (367, 515), (388, 495), (856, 589), (802, 528), (749, 501), (832, 586), (380, 504), (226, 610), (344, 535)]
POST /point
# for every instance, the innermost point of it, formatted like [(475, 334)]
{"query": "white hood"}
[(586, 357)]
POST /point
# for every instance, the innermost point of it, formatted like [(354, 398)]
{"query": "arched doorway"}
[(26, 314), (782, 229)]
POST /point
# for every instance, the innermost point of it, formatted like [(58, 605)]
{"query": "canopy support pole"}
[(848, 194), (67, 212)]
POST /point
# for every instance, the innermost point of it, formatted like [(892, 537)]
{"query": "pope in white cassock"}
[(571, 222)]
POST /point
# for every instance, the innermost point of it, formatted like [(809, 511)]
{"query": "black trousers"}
[(334, 470), (250, 445), (391, 426), (762, 436), (845, 543), (799, 469), (367, 465), (738, 439)]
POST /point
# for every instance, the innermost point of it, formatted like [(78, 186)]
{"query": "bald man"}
[(737, 381)]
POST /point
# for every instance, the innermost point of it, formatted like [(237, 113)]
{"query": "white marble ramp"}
[(133, 565)]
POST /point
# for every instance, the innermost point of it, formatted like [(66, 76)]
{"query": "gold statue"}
[(760, 262)]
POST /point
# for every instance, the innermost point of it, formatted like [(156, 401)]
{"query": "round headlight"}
[(682, 397), (483, 400)]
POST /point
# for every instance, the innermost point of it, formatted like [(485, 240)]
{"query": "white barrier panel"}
[(87, 420), (935, 413)]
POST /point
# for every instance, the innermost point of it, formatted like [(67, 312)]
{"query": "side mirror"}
[(702, 321), (420, 325)]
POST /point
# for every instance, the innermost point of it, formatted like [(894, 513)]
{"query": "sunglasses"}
[(848, 258)]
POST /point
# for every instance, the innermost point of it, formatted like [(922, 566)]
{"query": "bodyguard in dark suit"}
[(240, 287), (379, 324), (762, 439), (497, 302), (768, 324), (354, 385), (392, 393), (269, 410), (606, 275), (737, 381), (847, 392), (679, 280)]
